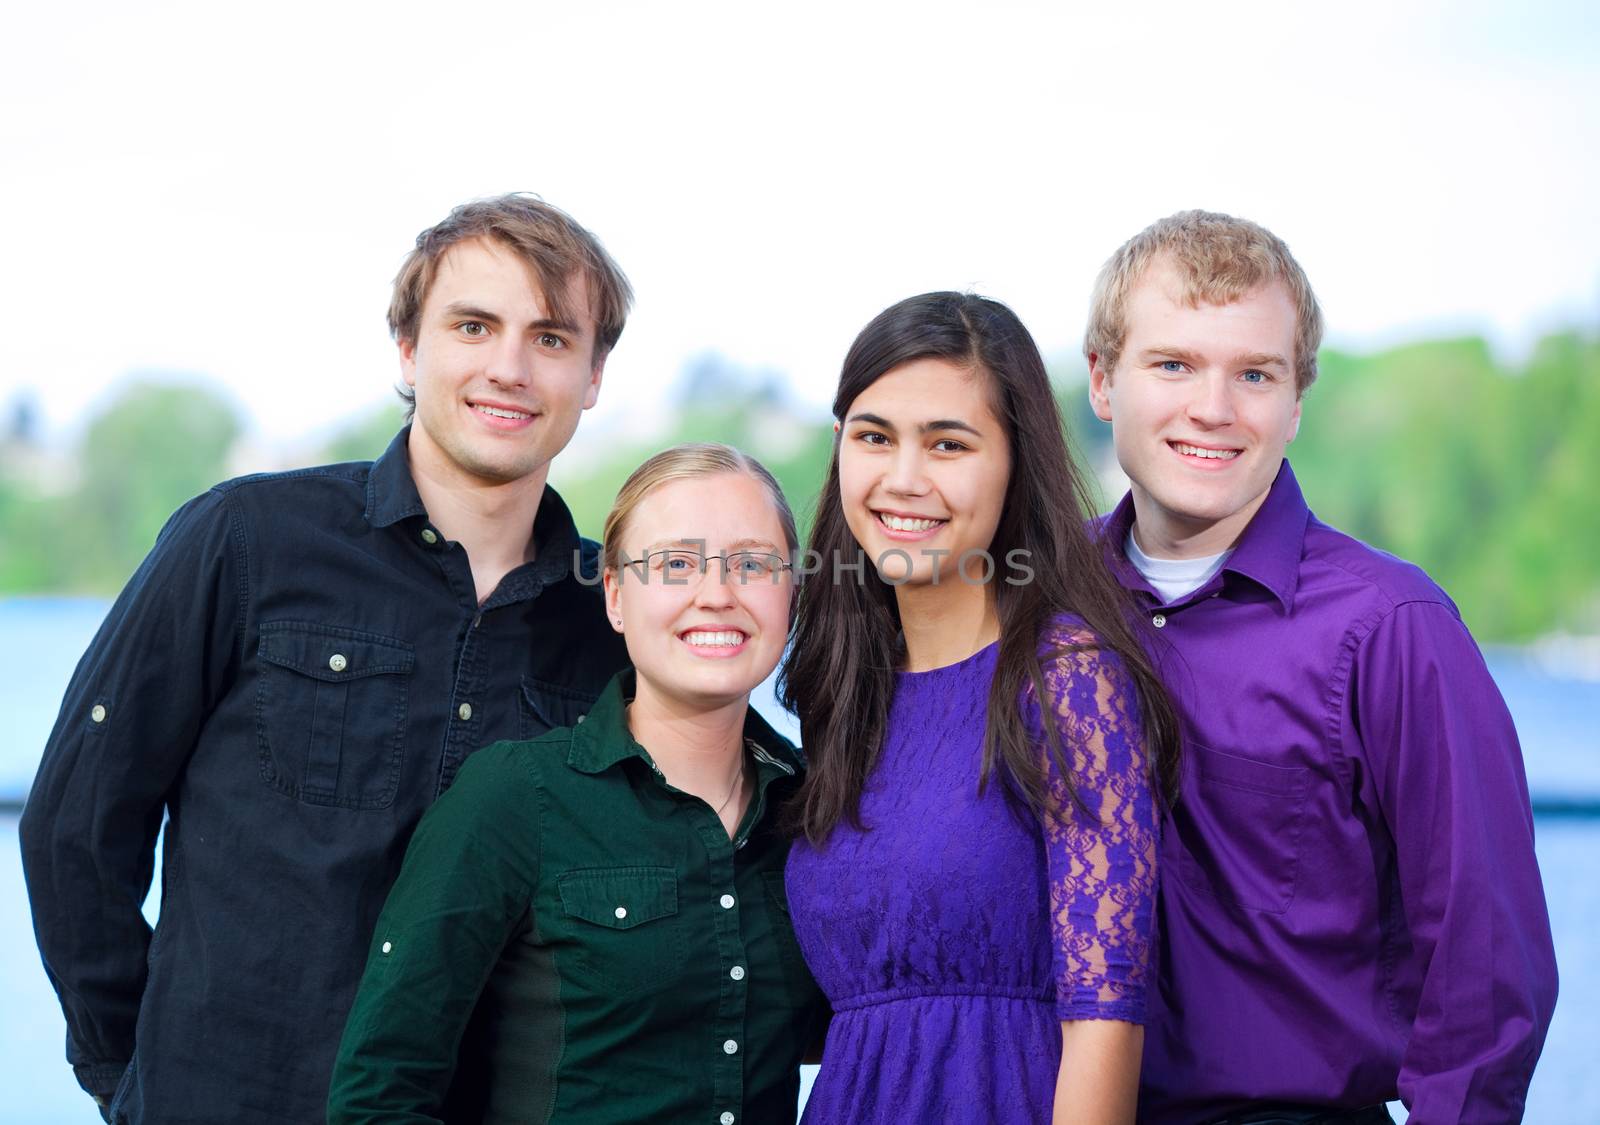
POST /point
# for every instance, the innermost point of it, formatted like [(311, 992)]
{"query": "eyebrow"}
[(925, 427), (1253, 359), (700, 545), (472, 312)]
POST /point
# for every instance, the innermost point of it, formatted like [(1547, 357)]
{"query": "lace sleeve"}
[(1101, 849)]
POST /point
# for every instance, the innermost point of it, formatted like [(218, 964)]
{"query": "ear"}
[(591, 393), (1294, 420), (408, 362), (1099, 387), (612, 581)]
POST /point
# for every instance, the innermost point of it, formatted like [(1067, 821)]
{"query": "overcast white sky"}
[(227, 190)]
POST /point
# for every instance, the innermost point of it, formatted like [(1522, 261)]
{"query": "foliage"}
[(1434, 451)]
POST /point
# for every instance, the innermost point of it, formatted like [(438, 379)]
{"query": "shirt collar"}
[(602, 739), (391, 493), (392, 496), (1268, 553)]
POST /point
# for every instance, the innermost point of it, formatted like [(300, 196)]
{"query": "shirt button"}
[(388, 945), (737, 972), (430, 536), (582, 717), (98, 714), (727, 1117), (726, 900), (465, 711), (730, 1047), (621, 912), (337, 662), (1159, 620)]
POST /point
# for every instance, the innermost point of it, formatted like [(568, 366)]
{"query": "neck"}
[(946, 623), (493, 521), (1163, 535), (699, 749)]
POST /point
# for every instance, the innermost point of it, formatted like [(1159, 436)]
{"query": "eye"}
[(872, 437), (551, 340), (474, 328), (1256, 377), (1171, 365), (949, 445), (753, 564)]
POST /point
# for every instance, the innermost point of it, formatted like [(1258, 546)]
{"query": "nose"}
[(714, 593), (907, 475), (1211, 405), (507, 362)]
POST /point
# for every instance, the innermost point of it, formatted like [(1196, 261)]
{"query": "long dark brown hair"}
[(839, 674)]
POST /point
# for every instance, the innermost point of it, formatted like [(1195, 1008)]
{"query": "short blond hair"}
[(684, 462), (1220, 259), (546, 238)]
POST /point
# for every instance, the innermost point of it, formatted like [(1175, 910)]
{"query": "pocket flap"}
[(326, 652), (555, 704), (619, 898)]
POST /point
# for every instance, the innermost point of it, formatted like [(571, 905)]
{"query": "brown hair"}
[(546, 238), (1220, 259), (683, 462), (839, 674)]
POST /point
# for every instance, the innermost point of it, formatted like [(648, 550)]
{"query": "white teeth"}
[(496, 412), (722, 638), (900, 523), (1210, 454)]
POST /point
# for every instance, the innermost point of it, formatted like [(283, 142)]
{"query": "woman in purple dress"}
[(974, 889)]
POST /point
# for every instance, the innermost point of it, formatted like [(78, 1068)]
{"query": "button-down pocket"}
[(1237, 827), (331, 713), (625, 926), (545, 706)]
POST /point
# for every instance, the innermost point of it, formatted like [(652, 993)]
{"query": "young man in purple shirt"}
[(1350, 905)]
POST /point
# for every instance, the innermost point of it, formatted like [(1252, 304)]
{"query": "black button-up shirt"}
[(292, 676), (574, 940)]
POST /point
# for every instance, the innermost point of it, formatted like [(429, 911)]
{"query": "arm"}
[(164, 656), (1102, 885), (1448, 774), (464, 889)]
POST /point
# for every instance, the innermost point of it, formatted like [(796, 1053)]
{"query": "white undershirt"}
[(1173, 578)]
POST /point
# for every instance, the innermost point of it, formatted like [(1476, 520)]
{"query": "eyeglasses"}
[(676, 564)]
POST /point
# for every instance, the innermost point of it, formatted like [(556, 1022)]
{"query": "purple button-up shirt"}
[(1350, 905)]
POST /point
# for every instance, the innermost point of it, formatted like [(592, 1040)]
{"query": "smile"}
[(501, 412), (714, 638), (1207, 454), (908, 523)]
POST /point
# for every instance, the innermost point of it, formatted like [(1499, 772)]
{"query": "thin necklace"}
[(738, 785)]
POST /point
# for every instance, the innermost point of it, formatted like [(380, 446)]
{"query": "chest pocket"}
[(544, 706), (1237, 829), (624, 926), (331, 713)]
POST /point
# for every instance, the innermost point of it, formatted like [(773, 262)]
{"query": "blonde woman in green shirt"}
[(592, 927)]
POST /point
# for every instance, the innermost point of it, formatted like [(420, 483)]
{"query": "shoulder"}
[(519, 765), (1068, 646), (289, 484), (1389, 581)]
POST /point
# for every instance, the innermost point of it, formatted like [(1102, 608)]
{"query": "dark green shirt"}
[(573, 940)]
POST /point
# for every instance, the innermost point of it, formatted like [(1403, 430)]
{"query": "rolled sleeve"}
[(128, 724), (1449, 775)]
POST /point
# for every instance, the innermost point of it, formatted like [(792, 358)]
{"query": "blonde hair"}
[(552, 244), (685, 462), (1220, 259)]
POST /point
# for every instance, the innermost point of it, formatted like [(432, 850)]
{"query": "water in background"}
[(42, 639)]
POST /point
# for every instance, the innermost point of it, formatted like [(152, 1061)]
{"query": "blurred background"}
[(205, 208)]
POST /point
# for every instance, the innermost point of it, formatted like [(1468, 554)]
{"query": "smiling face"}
[(702, 640), (1202, 404), (923, 469), (499, 384)]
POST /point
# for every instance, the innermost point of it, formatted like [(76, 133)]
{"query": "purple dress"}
[(955, 934)]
